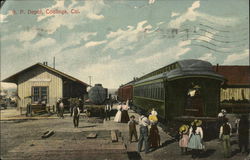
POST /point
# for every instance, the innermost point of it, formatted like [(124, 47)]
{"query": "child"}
[(183, 142), (132, 128), (196, 138)]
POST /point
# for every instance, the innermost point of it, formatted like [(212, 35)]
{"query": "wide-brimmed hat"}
[(184, 128), (197, 122), (223, 111), (153, 118)]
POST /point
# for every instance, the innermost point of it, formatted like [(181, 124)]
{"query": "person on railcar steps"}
[(76, 115), (183, 142), (143, 123), (243, 133), (154, 137), (195, 138), (132, 129), (125, 116), (225, 133), (118, 113)]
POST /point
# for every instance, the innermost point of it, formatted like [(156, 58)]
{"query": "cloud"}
[(237, 57), (76, 38), (94, 43), (171, 53), (27, 35), (151, 1), (89, 10), (173, 14), (208, 57), (95, 16), (127, 37), (3, 17), (44, 42), (106, 68), (191, 15)]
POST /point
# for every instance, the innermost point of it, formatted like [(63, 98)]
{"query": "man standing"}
[(107, 111), (220, 119), (225, 133), (243, 133), (143, 123), (76, 115), (61, 108), (57, 107)]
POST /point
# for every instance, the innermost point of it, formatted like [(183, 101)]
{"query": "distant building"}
[(235, 93), (40, 82)]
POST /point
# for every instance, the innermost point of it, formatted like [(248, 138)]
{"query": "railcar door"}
[(194, 102)]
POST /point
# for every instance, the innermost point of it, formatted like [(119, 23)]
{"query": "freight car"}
[(182, 91), (125, 92)]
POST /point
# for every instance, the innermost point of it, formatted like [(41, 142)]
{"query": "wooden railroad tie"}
[(91, 135), (114, 137), (48, 134)]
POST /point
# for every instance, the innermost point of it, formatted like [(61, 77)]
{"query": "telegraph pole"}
[(54, 62), (90, 80)]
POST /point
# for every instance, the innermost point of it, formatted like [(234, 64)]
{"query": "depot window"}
[(39, 94)]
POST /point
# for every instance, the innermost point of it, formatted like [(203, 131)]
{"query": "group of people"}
[(242, 131), (192, 137), (122, 113), (74, 111), (148, 136), (151, 138)]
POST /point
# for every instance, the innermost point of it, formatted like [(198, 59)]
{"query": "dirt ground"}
[(21, 139)]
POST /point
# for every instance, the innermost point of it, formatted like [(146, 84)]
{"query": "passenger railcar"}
[(180, 92), (185, 88)]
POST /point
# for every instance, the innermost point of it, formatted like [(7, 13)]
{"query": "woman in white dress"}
[(195, 138), (118, 115)]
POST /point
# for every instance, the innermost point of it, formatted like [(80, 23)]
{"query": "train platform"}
[(22, 140)]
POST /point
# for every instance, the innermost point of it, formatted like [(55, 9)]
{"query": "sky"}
[(114, 41)]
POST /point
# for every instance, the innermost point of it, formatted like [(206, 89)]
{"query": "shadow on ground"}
[(207, 153), (87, 126), (134, 156)]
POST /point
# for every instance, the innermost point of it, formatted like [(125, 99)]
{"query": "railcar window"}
[(154, 91)]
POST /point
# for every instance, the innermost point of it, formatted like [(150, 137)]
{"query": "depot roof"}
[(13, 78)]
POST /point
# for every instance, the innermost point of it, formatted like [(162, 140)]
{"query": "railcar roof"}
[(195, 64), (187, 68)]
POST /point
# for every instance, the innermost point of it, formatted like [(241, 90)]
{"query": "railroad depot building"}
[(41, 83), (235, 93)]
